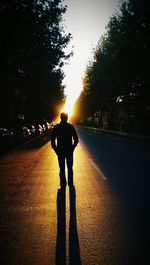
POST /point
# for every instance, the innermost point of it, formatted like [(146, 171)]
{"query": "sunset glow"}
[(68, 108), (86, 21)]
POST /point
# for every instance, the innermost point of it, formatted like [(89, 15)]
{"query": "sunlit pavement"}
[(40, 224)]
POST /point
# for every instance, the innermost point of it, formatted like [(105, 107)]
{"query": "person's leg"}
[(69, 158), (61, 161)]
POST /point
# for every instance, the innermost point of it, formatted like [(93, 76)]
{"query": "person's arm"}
[(75, 138), (53, 139)]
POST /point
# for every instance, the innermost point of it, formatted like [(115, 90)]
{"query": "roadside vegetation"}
[(32, 54), (116, 85)]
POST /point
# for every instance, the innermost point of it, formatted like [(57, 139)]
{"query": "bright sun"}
[(73, 84), (68, 108)]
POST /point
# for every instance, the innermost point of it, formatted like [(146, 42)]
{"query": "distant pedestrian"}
[(64, 139)]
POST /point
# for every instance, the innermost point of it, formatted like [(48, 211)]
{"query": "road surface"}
[(103, 220)]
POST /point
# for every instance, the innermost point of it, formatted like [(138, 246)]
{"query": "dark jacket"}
[(64, 137)]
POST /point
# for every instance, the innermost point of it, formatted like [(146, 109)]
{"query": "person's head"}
[(64, 116)]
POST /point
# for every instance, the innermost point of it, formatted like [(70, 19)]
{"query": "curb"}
[(121, 134), (43, 138)]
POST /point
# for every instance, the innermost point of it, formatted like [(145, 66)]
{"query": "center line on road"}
[(97, 169)]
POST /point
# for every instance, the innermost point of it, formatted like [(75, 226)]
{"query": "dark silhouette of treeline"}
[(31, 58), (116, 92)]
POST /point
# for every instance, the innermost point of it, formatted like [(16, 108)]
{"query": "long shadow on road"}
[(61, 228), (74, 250)]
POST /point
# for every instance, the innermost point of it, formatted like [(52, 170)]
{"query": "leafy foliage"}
[(31, 57), (118, 76)]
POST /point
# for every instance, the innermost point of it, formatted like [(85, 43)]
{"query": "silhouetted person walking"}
[(64, 140)]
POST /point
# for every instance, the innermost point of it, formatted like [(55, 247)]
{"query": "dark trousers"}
[(64, 158)]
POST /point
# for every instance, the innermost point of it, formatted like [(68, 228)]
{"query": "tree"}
[(118, 76), (31, 57)]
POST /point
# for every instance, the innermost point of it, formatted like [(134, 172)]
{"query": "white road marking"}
[(97, 169)]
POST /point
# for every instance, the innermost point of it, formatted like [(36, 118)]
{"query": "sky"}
[(86, 20)]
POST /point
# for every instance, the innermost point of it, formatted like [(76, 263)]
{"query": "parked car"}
[(5, 132), (22, 133), (6, 138), (39, 129), (43, 127), (26, 132), (47, 125), (32, 129)]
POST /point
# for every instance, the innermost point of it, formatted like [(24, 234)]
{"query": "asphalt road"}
[(103, 220)]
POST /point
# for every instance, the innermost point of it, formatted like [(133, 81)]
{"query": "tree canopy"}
[(116, 84), (31, 58)]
